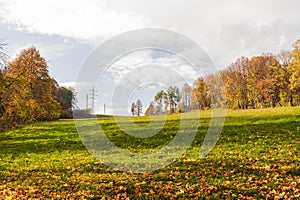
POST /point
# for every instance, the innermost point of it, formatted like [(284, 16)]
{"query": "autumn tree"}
[(294, 69), (277, 75), (236, 81), (283, 77), (200, 97), (4, 124), (216, 89), (3, 62), (151, 110), (260, 79), (1, 94), (31, 94)]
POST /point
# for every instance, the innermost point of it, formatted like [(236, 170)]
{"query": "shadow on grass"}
[(60, 136), (41, 138)]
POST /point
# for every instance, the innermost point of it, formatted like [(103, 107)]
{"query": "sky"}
[(66, 32)]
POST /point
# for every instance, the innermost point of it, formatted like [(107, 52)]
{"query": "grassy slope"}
[(257, 156)]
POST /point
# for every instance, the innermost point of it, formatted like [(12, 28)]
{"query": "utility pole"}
[(93, 97), (87, 102), (104, 109)]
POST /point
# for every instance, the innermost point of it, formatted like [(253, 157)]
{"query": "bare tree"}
[(285, 58), (133, 109), (3, 55), (139, 107), (186, 97)]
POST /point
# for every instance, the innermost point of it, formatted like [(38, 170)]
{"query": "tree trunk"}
[(291, 98)]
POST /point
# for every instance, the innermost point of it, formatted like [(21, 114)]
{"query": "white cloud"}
[(67, 84), (83, 20), (143, 58), (50, 52), (220, 26), (226, 29)]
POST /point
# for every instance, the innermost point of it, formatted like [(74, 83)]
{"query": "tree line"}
[(28, 93), (262, 81)]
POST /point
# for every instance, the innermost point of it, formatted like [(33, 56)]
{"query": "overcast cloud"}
[(226, 29), (66, 31)]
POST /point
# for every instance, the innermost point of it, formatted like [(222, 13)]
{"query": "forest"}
[(262, 81)]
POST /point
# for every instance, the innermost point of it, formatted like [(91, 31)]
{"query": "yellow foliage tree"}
[(294, 69), (31, 91)]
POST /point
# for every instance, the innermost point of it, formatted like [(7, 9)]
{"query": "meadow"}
[(257, 156)]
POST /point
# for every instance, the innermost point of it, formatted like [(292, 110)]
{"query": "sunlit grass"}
[(257, 155)]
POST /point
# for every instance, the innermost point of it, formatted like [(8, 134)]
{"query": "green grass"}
[(257, 156)]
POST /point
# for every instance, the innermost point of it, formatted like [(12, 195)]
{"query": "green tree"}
[(173, 98), (65, 97), (159, 99), (166, 102)]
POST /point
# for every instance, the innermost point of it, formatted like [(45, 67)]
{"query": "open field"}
[(257, 156)]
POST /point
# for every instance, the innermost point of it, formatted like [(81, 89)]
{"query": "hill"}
[(257, 156)]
